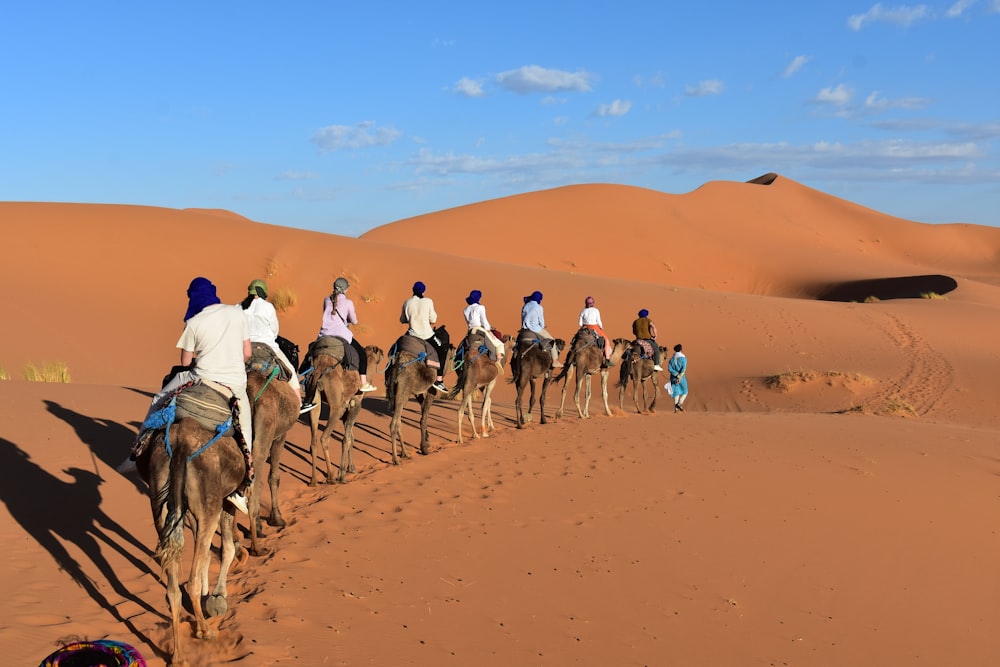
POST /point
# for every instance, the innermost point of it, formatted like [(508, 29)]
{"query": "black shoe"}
[(440, 387), (306, 407)]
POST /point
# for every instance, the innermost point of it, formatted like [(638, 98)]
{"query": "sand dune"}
[(828, 497)]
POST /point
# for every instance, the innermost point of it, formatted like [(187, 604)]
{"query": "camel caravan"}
[(225, 412)]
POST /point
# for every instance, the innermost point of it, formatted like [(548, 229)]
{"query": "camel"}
[(188, 481), (407, 375), (275, 407), (640, 372), (477, 372), (532, 363), (586, 358)]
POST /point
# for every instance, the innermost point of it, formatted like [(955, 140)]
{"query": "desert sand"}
[(830, 496)]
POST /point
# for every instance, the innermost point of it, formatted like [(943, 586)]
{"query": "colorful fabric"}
[(100, 653)]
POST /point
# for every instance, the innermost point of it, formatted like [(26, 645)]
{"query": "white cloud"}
[(705, 88), (959, 8), (616, 108), (535, 79), (362, 135), (877, 103), (839, 95), (469, 87), (798, 62), (296, 176), (903, 15)]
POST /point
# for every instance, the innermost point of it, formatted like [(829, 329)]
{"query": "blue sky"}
[(342, 116)]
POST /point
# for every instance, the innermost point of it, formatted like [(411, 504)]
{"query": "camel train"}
[(194, 463)]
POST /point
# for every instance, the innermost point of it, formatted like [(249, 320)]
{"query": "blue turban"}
[(201, 294), (419, 288), (643, 313), (536, 296), (474, 297)]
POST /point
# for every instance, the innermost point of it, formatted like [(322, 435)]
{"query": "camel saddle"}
[(526, 338), (264, 361), (207, 403), (339, 349), (413, 345), (473, 345), (645, 348), (584, 337)]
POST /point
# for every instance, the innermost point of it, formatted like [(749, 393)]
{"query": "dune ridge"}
[(828, 497)]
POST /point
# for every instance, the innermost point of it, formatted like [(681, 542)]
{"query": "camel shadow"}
[(56, 513), (108, 440)]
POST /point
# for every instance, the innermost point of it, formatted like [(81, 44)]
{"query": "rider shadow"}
[(55, 512), (110, 441)]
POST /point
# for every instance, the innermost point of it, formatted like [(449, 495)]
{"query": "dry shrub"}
[(3, 374), (284, 299), (47, 371), (932, 295), (872, 299)]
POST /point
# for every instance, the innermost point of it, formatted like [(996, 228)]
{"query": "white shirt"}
[(590, 316), (475, 316), (263, 321), (216, 336)]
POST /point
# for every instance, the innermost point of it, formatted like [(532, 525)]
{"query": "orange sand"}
[(844, 515)]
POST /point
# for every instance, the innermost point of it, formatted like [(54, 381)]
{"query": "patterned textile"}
[(100, 653)]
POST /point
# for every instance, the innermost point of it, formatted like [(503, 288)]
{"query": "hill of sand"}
[(828, 497)]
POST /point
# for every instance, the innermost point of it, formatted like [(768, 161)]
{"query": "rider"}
[(644, 329), (216, 342), (418, 312), (263, 321), (475, 317), (338, 316), (590, 317), (533, 319)]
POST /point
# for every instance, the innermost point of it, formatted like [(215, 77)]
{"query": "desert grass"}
[(3, 374), (47, 371), (872, 299), (932, 295), (785, 381), (284, 299)]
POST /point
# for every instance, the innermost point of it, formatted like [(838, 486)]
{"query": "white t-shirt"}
[(475, 316), (215, 336), (263, 321), (590, 316), (419, 313)]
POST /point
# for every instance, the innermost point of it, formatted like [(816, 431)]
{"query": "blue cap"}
[(643, 313), (419, 288), (474, 297)]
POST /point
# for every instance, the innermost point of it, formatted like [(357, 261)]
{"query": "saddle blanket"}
[(339, 349), (263, 360), (207, 403), (413, 345)]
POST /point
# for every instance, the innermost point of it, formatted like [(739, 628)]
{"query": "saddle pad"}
[(472, 344), (339, 349), (647, 349), (205, 404), (263, 360), (413, 345)]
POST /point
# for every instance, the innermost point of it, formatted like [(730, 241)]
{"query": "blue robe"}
[(678, 364)]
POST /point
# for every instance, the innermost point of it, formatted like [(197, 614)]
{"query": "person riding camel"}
[(215, 345), (418, 313), (263, 321), (533, 319), (644, 329), (475, 317), (339, 315), (590, 317)]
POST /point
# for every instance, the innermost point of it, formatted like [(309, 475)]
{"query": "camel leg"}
[(580, 379), (656, 391), (604, 392), (314, 443), (394, 434), (518, 412), (274, 481), (541, 397), (488, 408), (261, 434), (531, 398), (461, 415), (217, 603), (425, 413), (570, 376), (197, 587)]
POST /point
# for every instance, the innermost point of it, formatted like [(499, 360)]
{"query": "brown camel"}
[(339, 389), (477, 372), (586, 358), (640, 372), (407, 375), (186, 481), (275, 407), (531, 363)]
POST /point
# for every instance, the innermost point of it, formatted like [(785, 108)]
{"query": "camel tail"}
[(170, 546), (562, 374)]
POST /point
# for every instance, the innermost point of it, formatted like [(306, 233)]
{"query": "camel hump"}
[(339, 349), (264, 360), (415, 346), (207, 403)]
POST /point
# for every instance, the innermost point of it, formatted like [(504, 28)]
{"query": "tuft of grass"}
[(47, 371), (3, 374), (932, 295), (872, 299), (284, 299)]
